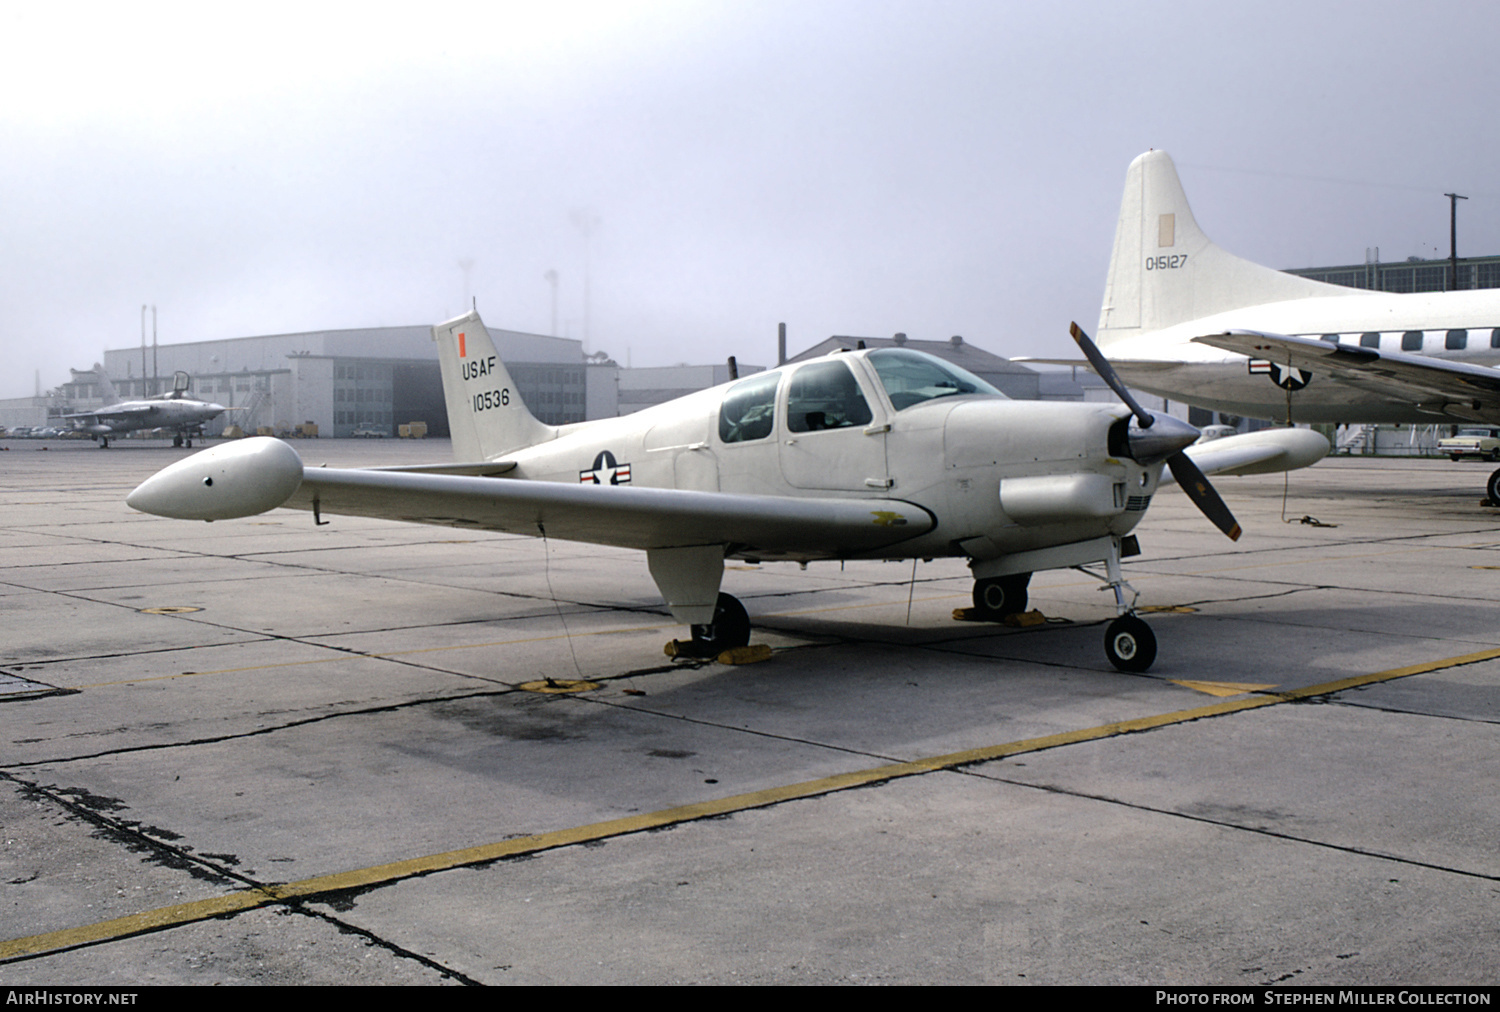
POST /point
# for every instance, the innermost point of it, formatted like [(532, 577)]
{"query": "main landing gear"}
[(1492, 489), (729, 629), (178, 440), (999, 596)]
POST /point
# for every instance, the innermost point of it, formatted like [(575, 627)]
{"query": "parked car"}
[(1479, 443)]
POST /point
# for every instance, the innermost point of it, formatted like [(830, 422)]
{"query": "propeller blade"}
[(1189, 478), (1192, 481), (1107, 374)]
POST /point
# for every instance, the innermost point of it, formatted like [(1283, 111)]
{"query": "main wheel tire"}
[(1130, 644), (1492, 488), (177, 441), (1000, 596), (729, 629)]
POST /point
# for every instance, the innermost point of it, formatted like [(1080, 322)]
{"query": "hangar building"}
[(371, 379)]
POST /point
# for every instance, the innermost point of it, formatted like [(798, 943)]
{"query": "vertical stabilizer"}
[(1165, 271), (485, 412), (106, 388)]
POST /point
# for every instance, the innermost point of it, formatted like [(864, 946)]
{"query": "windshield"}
[(911, 377)]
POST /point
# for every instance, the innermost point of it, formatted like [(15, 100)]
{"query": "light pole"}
[(551, 277), (587, 222)]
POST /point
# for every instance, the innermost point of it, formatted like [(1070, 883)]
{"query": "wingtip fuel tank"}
[(231, 480)]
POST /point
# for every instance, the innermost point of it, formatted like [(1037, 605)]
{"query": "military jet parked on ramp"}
[(183, 415), (880, 454)]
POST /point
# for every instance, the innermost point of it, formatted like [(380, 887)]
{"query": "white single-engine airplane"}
[(1184, 319), (881, 454), (176, 411)]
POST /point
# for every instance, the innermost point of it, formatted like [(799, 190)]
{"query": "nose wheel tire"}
[(1130, 644)]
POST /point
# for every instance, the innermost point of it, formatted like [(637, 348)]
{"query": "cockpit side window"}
[(749, 409), (824, 395), (910, 377)]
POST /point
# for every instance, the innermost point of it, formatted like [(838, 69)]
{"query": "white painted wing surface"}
[(254, 475), (1403, 377), (621, 515)]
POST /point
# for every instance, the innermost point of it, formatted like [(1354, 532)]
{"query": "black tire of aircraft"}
[(1000, 596), (730, 628), (1130, 644), (1492, 488)]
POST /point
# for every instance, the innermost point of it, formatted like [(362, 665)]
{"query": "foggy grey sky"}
[(847, 167)]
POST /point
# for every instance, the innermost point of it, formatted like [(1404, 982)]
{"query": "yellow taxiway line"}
[(382, 874)]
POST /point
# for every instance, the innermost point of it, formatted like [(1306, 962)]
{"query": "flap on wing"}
[(480, 469)]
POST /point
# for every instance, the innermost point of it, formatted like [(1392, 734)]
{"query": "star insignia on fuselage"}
[(606, 471)]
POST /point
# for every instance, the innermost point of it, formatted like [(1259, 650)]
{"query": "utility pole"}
[(1453, 199), (551, 277)]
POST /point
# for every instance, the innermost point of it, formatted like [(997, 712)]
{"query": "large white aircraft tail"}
[(1165, 271), (485, 413), (106, 389)]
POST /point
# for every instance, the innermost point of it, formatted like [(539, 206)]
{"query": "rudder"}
[(486, 415), (1165, 271)]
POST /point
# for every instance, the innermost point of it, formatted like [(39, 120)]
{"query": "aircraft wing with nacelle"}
[(880, 454), (1436, 386)]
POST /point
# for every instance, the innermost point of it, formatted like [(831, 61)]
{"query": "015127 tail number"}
[(492, 399), (1166, 262)]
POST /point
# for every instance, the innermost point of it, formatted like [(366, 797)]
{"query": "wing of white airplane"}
[(248, 477), (121, 411), (1455, 388)]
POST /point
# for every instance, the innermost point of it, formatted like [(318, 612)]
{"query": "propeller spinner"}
[(1167, 442)]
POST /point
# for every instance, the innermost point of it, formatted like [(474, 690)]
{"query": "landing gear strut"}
[(1129, 642), (729, 629)]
